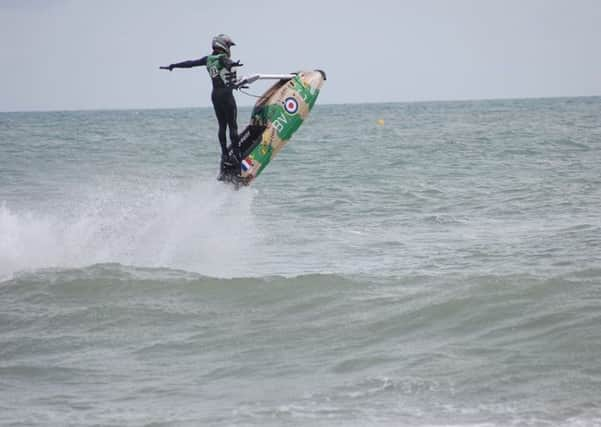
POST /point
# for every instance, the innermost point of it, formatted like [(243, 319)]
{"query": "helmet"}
[(223, 42)]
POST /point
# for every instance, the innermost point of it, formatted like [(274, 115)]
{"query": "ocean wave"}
[(366, 348)]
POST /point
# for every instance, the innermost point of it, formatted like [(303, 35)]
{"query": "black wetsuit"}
[(220, 68)]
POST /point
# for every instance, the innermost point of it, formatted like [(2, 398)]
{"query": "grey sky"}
[(83, 54)]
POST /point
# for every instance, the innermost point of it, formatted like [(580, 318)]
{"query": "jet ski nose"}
[(314, 78)]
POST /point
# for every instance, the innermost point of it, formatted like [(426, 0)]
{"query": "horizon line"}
[(425, 101)]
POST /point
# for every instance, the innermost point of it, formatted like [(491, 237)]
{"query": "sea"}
[(405, 264)]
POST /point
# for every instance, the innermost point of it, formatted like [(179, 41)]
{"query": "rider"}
[(220, 67)]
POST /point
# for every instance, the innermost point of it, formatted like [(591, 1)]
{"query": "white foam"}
[(206, 228)]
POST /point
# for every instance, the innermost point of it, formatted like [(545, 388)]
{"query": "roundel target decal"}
[(291, 105)]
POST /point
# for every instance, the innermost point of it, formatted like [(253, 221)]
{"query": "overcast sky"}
[(89, 54)]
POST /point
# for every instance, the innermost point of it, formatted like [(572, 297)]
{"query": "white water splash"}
[(207, 228)]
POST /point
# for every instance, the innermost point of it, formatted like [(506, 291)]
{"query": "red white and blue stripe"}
[(247, 164)]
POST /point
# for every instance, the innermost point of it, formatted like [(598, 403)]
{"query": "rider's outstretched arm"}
[(187, 64)]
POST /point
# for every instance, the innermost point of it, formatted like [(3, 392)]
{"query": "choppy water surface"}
[(441, 269)]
